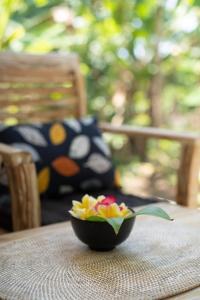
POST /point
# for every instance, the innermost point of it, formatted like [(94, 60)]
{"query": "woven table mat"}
[(160, 259)]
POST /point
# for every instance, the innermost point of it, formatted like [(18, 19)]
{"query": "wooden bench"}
[(49, 87)]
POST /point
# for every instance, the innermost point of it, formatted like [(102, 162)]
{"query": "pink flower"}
[(108, 200)]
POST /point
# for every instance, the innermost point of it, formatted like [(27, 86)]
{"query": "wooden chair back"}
[(40, 87)]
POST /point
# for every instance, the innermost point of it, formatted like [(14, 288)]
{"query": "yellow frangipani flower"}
[(109, 211), (104, 207), (113, 211), (88, 201), (82, 213), (84, 209), (125, 212)]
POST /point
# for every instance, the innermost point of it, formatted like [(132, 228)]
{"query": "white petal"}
[(98, 163), (87, 121), (102, 145), (32, 135), (80, 147), (65, 189), (91, 184), (73, 124), (28, 148)]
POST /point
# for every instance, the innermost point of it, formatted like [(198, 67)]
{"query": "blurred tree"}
[(140, 57)]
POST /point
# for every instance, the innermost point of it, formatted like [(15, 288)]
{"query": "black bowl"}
[(100, 236)]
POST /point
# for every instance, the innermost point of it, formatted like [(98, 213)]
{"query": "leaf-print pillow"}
[(70, 155)]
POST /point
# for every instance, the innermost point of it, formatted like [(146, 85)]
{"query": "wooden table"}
[(193, 294)]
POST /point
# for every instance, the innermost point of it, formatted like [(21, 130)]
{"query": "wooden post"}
[(26, 212), (187, 188)]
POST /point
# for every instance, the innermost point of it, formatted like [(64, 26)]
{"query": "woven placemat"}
[(160, 259)]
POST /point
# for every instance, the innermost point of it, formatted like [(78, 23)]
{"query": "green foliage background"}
[(140, 59)]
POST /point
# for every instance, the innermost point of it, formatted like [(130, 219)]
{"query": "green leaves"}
[(116, 223), (96, 219), (153, 211)]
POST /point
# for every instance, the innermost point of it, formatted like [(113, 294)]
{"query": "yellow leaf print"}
[(117, 179), (43, 180), (57, 134)]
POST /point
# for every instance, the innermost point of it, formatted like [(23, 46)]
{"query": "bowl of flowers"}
[(103, 224)]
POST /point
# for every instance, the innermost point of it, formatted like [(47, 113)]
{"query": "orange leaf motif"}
[(57, 134), (65, 166), (43, 180)]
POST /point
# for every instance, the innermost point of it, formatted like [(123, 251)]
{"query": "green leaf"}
[(115, 223), (132, 214), (154, 211), (96, 219)]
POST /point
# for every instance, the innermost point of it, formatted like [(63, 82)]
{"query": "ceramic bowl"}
[(100, 236)]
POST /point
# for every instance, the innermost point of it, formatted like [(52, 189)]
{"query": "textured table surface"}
[(159, 260)]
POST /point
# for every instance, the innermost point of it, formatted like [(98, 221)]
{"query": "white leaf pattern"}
[(91, 184), (65, 189), (102, 145), (3, 127), (98, 163), (74, 125), (87, 121), (32, 135), (28, 148), (39, 125), (80, 147)]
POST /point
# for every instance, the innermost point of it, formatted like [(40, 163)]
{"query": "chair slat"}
[(38, 116), (37, 68), (40, 86), (34, 103), (28, 92)]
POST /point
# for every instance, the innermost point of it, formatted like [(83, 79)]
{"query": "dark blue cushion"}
[(70, 155)]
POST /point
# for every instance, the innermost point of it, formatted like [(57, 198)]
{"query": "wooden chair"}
[(49, 87)]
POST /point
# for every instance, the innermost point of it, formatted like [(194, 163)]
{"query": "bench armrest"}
[(187, 186), (12, 156), (150, 132)]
